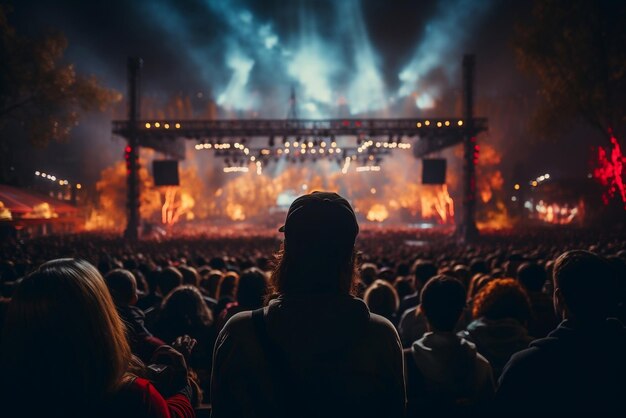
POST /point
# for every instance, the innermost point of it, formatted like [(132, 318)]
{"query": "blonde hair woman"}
[(64, 351)]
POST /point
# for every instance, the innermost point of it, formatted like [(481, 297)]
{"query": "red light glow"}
[(610, 170)]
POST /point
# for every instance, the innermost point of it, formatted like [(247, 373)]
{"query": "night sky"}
[(246, 55)]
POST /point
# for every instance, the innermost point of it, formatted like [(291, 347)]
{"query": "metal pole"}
[(132, 149), (467, 230)]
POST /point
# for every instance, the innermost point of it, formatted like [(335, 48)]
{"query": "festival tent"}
[(25, 208)]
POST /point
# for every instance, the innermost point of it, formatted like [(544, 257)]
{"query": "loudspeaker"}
[(434, 171), (165, 172)]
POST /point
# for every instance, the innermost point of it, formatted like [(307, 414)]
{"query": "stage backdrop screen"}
[(165, 172), (433, 171)]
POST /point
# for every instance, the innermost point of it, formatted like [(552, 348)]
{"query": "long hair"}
[(184, 311), (298, 272), (382, 299), (62, 339), (227, 286), (252, 288)]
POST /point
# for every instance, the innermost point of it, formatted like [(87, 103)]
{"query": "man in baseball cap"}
[(321, 221), (314, 340)]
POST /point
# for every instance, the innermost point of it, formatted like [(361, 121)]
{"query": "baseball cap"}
[(321, 216)]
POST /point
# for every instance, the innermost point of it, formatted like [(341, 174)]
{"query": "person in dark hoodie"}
[(445, 375), (580, 368), (501, 312), (315, 350)]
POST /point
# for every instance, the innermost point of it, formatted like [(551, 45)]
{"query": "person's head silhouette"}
[(318, 250)]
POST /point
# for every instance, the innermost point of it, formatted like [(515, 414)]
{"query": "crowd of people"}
[(322, 323)]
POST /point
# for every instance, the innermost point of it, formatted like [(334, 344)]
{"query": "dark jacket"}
[(578, 370), (446, 377), (497, 340), (342, 361)]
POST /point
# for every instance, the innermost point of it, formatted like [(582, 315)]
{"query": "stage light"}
[(331, 151), (287, 151), (546, 176), (373, 190), (313, 151), (37, 173), (157, 125), (148, 125), (516, 187), (166, 126), (303, 150), (460, 123), (378, 144), (514, 199), (338, 150), (235, 169), (321, 150), (534, 183), (43, 174), (438, 124), (418, 124), (79, 186), (252, 158), (280, 151), (333, 144), (295, 143), (447, 123), (371, 158), (177, 126), (427, 123), (346, 165), (287, 144), (323, 144), (310, 144), (367, 168), (61, 182)]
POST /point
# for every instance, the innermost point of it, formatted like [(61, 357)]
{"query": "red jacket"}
[(141, 399)]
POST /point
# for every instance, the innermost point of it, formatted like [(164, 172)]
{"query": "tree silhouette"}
[(577, 50), (41, 97)]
